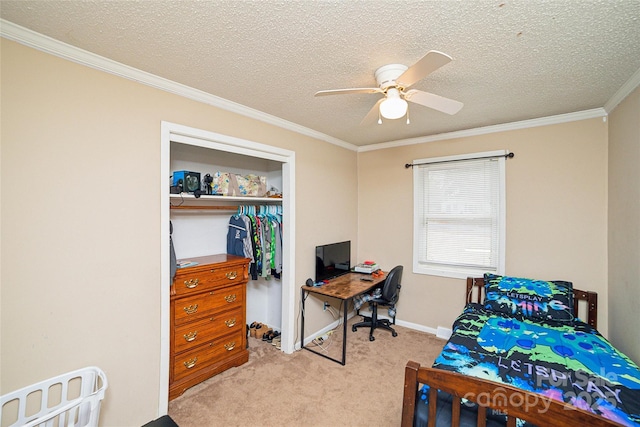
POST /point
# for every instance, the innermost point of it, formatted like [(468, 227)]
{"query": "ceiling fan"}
[(393, 81)]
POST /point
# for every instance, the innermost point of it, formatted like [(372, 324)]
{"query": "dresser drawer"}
[(197, 306), (208, 319), (197, 279), (195, 333), (215, 351)]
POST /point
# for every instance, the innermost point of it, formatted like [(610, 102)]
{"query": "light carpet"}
[(304, 389)]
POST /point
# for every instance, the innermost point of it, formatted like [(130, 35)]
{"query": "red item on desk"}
[(369, 262)]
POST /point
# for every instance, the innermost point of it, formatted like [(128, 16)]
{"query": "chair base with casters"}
[(373, 322)]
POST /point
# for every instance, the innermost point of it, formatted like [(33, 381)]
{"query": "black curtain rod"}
[(410, 165)]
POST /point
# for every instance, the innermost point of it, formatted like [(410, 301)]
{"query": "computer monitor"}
[(333, 260)]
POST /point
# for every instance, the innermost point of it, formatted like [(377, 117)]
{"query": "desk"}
[(344, 288)]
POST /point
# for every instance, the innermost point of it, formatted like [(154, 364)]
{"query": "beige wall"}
[(556, 213), (624, 225), (80, 174)]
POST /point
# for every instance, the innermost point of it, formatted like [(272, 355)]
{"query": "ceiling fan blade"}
[(431, 100), (347, 91), (421, 69), (373, 114)]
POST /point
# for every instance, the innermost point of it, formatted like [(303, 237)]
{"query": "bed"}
[(520, 355)]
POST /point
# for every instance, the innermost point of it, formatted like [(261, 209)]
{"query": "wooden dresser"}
[(208, 309)]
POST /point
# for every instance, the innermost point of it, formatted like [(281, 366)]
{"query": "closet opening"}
[(200, 225), (203, 230)]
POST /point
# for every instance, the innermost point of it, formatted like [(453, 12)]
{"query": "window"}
[(459, 215)]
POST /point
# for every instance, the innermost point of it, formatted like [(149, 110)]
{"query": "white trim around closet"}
[(215, 141)]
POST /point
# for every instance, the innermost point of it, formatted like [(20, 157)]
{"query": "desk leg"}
[(344, 334), (302, 319)]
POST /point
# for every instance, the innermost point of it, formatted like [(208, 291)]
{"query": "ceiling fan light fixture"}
[(394, 81), (394, 106)]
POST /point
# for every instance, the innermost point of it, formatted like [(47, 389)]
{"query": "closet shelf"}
[(189, 201)]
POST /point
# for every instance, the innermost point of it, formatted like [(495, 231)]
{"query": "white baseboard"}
[(416, 327), (405, 324), (308, 337), (439, 332), (444, 333)]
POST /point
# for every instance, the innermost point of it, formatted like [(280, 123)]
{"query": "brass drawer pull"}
[(190, 363), (230, 323), (230, 345), (191, 283), (190, 336), (191, 309), (231, 275), (230, 298)]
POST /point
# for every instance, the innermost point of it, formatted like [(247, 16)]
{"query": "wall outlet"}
[(326, 305)]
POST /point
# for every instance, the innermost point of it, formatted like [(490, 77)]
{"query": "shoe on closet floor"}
[(277, 342), (267, 333), (261, 328), (252, 329), (273, 335)]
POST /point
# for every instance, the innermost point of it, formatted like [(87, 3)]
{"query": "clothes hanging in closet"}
[(236, 236), (257, 236)]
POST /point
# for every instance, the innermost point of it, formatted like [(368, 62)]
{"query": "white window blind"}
[(459, 215)]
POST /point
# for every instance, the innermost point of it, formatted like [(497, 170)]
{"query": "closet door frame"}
[(215, 141)]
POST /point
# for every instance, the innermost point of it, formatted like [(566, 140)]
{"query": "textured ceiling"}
[(512, 60)]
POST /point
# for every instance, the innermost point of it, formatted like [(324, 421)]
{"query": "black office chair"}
[(388, 298)]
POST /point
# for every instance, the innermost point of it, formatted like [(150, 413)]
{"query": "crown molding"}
[(57, 48), (524, 124), (623, 92)]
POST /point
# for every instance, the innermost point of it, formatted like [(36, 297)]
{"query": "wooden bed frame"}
[(514, 402)]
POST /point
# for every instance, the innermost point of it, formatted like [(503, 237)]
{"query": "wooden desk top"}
[(347, 286)]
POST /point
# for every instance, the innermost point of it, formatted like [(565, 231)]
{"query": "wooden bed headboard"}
[(475, 290)]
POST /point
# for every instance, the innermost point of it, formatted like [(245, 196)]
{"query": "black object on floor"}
[(163, 421)]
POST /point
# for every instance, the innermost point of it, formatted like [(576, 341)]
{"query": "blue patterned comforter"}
[(569, 362)]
